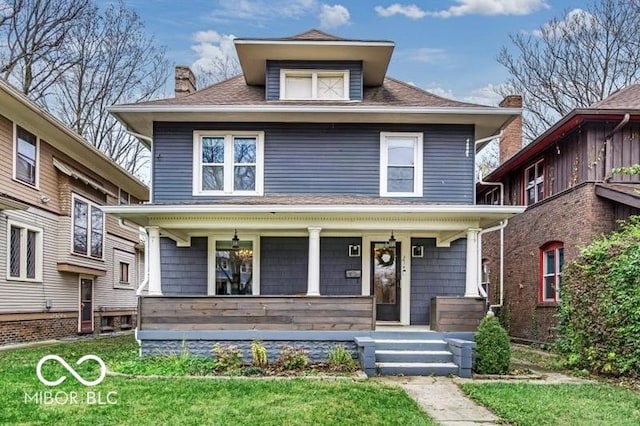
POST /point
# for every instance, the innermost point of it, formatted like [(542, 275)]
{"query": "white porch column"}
[(471, 284), (313, 280), (155, 279)]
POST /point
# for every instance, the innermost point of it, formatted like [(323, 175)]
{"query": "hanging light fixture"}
[(392, 241), (235, 241)]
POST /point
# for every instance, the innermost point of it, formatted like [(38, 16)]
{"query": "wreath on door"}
[(385, 257)]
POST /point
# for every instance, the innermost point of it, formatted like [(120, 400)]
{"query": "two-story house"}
[(564, 178), (67, 269), (309, 200)]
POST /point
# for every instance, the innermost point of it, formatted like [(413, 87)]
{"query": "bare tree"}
[(573, 61), (34, 35), (115, 62), (488, 159), (212, 70)]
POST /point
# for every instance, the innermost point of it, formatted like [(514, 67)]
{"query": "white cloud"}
[(334, 16), (262, 11), (491, 7), (485, 95), (411, 11), (575, 21), (213, 49), (425, 55)]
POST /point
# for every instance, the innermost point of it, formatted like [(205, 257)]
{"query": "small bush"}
[(228, 358), (292, 358), (340, 359), (259, 354), (493, 349)]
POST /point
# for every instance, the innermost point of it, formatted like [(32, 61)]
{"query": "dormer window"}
[(301, 85)]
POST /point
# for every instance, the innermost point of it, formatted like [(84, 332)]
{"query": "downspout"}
[(143, 285), (500, 227), (498, 184)]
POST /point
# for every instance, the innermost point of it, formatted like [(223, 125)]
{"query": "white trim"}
[(211, 259), (315, 42), (418, 166), (315, 109), (120, 191), (93, 286), (228, 163), (405, 277), (15, 157), (90, 204), (154, 265), (313, 270), (23, 251), (123, 256), (314, 74)]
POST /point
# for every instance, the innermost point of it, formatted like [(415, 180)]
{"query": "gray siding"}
[(334, 262), (272, 83), (321, 159), (441, 272), (283, 265), (184, 269)]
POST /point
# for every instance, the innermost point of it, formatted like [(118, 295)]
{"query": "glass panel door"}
[(385, 280)]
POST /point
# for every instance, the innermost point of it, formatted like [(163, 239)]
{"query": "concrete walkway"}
[(443, 400)]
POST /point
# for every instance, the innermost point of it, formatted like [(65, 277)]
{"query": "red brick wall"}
[(573, 217), (12, 332)]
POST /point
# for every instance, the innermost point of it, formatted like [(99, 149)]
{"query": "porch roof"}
[(292, 212)]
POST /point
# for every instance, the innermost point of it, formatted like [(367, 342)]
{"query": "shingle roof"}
[(234, 91), (313, 34), (626, 98)]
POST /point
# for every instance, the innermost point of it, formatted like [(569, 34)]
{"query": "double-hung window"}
[(534, 183), (324, 85), (401, 164), (26, 157), (551, 264), (88, 228), (24, 255), (228, 163)]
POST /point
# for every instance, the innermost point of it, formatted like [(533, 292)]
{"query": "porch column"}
[(155, 283), (471, 284), (313, 280)]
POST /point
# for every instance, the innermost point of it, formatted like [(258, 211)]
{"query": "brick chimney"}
[(185, 81), (511, 140)]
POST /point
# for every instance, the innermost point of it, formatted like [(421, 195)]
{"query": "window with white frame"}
[(24, 256), (551, 264), (234, 268), (26, 156), (492, 197), (228, 163), (324, 85), (88, 228), (123, 198), (401, 164), (534, 183), (124, 263)]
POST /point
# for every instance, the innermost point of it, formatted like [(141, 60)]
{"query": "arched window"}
[(551, 263)]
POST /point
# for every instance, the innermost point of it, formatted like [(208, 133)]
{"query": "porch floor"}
[(400, 327)]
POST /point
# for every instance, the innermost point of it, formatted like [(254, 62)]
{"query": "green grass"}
[(184, 401), (536, 357), (538, 404)]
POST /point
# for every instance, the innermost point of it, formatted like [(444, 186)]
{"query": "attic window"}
[(314, 85)]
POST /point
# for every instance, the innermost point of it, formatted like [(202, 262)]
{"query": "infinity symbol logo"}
[(103, 370)]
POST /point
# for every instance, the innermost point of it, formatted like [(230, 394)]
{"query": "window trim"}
[(314, 73), (228, 163), (211, 261), (492, 195), (23, 248), (15, 157), (418, 169), (90, 203), (525, 200), (120, 191), (554, 246)]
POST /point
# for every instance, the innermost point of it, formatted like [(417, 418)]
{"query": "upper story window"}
[(26, 157), (124, 198), (314, 85), (228, 163), (492, 197), (24, 257), (87, 228), (401, 164), (551, 264), (534, 183)]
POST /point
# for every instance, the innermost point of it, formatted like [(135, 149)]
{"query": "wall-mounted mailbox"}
[(353, 273)]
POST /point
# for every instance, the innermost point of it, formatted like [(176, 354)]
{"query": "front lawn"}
[(185, 401), (539, 404)]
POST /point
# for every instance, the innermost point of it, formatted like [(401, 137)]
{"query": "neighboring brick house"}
[(68, 268), (564, 178)]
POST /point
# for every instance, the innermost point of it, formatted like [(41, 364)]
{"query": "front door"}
[(385, 280), (86, 305)]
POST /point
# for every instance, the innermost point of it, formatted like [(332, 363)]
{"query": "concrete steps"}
[(413, 354)]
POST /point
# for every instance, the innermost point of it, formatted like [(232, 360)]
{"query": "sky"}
[(448, 47)]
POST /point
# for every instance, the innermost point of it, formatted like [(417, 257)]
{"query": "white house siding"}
[(105, 293)]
